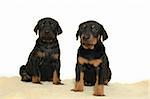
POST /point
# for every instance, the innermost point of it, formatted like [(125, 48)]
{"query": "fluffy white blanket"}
[(13, 88)]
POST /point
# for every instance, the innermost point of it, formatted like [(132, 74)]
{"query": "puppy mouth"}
[(87, 44), (47, 39)]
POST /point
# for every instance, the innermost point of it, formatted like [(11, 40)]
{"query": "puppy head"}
[(90, 33), (48, 29)]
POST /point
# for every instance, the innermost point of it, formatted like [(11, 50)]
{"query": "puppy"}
[(44, 61), (92, 66)]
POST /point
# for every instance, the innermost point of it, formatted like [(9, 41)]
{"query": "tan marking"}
[(90, 43), (94, 40), (99, 89), (95, 62), (56, 80), (88, 46), (79, 84), (55, 56), (35, 79), (40, 54), (82, 60)]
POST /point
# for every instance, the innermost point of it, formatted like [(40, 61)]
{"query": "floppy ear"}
[(77, 34), (36, 29), (58, 30), (103, 34)]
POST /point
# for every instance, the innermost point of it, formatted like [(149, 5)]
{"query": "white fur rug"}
[(13, 88)]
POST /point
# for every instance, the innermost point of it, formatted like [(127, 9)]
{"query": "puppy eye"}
[(95, 29), (84, 26), (53, 24), (93, 26)]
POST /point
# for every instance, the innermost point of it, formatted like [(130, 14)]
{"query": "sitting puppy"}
[(44, 61), (92, 66)]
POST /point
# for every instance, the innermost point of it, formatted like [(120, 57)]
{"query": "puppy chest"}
[(50, 56), (90, 54), (47, 57)]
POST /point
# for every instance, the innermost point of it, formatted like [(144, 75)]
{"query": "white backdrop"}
[(127, 23)]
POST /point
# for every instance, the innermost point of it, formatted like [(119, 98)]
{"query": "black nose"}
[(87, 36)]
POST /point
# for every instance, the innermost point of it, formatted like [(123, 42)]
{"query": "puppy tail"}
[(24, 75)]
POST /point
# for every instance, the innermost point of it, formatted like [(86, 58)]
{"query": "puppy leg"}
[(107, 76), (89, 75), (24, 75), (35, 71), (56, 79), (107, 71), (79, 79), (56, 73), (36, 78), (99, 85)]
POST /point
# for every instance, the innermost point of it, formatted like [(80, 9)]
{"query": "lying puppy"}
[(92, 63), (44, 60)]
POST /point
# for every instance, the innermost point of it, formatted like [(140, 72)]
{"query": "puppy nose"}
[(85, 37)]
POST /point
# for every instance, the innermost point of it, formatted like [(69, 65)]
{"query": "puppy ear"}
[(79, 30), (103, 34), (58, 30), (36, 29), (77, 34)]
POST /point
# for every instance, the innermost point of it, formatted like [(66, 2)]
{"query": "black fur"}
[(42, 61)]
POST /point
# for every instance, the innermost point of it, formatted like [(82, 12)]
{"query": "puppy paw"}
[(58, 83), (78, 87), (99, 90), (106, 82), (36, 80), (96, 94), (77, 90)]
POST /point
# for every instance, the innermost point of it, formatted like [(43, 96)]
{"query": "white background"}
[(127, 23)]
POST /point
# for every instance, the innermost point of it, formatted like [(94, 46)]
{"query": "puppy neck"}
[(47, 47), (46, 41)]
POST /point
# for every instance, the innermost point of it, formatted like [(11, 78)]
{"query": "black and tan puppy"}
[(44, 61), (92, 66)]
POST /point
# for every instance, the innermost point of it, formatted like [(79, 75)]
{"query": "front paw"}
[(56, 79), (77, 90), (96, 94), (36, 80), (78, 87), (99, 90), (58, 83)]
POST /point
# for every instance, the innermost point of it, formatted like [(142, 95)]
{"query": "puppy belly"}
[(46, 73), (89, 76)]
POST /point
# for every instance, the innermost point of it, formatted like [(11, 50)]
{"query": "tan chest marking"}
[(39, 54), (94, 62), (55, 56)]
